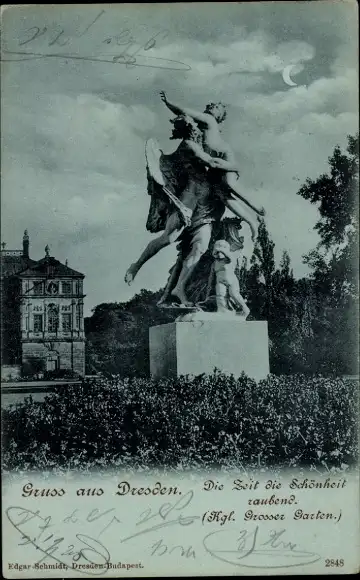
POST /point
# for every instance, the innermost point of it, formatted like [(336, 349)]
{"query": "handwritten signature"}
[(131, 54), (275, 552)]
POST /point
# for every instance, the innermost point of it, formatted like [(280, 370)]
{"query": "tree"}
[(287, 304), (335, 194), (242, 274), (334, 262), (260, 276), (263, 259), (117, 334), (284, 330)]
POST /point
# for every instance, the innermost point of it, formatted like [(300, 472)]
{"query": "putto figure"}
[(228, 297)]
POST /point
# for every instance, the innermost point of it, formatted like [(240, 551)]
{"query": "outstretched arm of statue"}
[(219, 163), (214, 162), (178, 110)]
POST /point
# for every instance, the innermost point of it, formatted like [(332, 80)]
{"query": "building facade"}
[(42, 314)]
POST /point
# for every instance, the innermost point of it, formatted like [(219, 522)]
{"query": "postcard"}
[(179, 290)]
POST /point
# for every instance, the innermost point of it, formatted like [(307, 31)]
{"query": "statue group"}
[(190, 191)]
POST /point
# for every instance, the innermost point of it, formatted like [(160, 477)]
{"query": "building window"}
[(78, 287), (38, 322), (78, 316), (53, 319), (38, 288), (66, 322), (66, 287)]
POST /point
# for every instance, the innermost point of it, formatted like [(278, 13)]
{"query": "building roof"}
[(18, 263), (14, 262), (49, 267)]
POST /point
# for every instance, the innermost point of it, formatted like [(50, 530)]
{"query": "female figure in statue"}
[(224, 183), (182, 200)]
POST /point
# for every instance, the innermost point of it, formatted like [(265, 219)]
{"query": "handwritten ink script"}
[(88, 553), (123, 47), (142, 525), (95, 541), (248, 549)]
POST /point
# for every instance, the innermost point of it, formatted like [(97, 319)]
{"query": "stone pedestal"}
[(198, 346)]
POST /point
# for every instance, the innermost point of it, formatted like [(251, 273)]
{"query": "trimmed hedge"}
[(200, 422)]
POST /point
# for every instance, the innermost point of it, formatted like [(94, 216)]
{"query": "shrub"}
[(203, 421)]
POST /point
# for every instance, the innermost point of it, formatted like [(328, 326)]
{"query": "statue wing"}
[(166, 180)]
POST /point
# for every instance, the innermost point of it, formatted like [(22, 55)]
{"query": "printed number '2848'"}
[(333, 563)]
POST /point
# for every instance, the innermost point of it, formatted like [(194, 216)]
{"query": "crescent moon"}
[(286, 75)]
